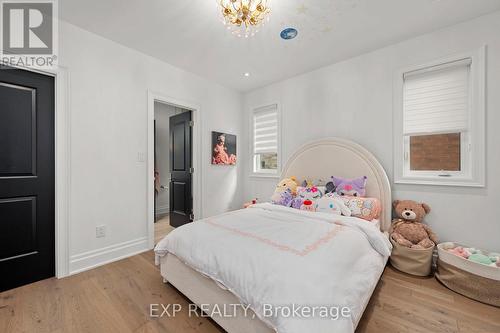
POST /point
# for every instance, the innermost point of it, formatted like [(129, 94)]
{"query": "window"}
[(439, 123), (266, 138)]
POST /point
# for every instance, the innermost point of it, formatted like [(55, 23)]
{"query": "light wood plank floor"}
[(162, 228), (116, 298)]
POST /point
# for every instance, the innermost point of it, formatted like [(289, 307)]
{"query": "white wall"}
[(108, 111), (353, 99), (163, 112)]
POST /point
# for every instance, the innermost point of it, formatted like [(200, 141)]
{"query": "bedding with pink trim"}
[(271, 256)]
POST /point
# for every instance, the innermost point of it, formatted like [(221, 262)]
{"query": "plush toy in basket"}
[(408, 229), (470, 272), (413, 242), (474, 255)]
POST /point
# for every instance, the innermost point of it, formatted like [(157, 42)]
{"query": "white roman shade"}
[(265, 126), (437, 99)]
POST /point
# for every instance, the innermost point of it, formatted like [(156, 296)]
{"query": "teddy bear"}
[(408, 229)]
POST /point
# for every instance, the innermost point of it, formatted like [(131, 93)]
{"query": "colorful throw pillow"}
[(312, 182), (365, 208), (332, 205), (309, 193), (355, 187)]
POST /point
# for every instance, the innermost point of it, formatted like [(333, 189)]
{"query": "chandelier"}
[(244, 17)]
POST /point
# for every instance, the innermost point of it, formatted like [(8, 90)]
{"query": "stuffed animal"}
[(460, 251), (297, 203), (284, 198), (309, 193), (332, 205), (250, 203), (492, 259), (353, 187), (330, 188), (287, 183), (483, 259), (408, 229), (308, 206)]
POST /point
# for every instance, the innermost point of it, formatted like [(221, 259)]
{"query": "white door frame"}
[(62, 130), (196, 159)]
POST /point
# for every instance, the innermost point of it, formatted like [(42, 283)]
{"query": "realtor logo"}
[(28, 32)]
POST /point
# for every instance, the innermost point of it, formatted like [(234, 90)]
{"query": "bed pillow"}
[(355, 187), (364, 208)]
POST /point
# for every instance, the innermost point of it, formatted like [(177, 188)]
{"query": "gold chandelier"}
[(244, 17)]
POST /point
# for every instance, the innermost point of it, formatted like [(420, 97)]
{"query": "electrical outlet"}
[(100, 231)]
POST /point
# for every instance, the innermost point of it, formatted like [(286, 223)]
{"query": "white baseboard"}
[(91, 259)]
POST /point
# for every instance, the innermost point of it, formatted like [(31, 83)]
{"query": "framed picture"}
[(223, 148)]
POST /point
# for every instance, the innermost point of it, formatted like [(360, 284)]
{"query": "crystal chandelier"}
[(244, 17)]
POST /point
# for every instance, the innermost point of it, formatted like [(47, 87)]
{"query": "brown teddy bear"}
[(408, 229)]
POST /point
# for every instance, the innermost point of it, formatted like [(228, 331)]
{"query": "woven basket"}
[(471, 279), (412, 261)]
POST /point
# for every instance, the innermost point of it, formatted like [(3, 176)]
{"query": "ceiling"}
[(189, 33)]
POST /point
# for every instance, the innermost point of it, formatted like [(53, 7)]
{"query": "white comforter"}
[(271, 256)]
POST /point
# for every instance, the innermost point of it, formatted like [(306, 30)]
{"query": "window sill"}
[(434, 181), (264, 175)]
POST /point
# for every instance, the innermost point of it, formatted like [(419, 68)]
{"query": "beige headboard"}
[(344, 158)]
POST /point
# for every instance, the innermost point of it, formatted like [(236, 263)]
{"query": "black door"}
[(26, 177), (181, 200)]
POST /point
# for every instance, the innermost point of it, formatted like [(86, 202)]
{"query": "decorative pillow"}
[(313, 182), (332, 205), (308, 205), (309, 193), (352, 187), (365, 208)]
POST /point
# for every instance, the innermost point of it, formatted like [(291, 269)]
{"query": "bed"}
[(291, 271)]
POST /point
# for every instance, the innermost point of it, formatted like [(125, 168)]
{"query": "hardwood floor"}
[(162, 228), (403, 303), (116, 298)]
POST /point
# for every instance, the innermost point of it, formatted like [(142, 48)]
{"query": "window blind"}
[(436, 99), (265, 122)]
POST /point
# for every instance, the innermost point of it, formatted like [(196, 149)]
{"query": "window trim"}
[(264, 174), (474, 174)]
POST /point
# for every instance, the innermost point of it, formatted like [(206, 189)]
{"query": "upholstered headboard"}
[(344, 158)]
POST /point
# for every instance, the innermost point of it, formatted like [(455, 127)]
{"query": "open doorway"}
[(173, 138)]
